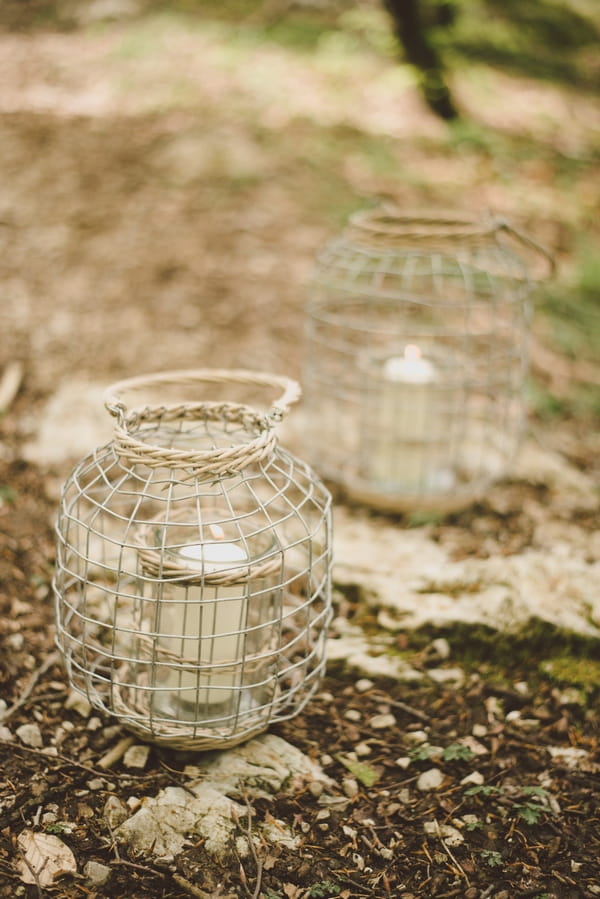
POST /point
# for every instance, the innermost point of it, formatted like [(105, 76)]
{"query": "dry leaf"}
[(45, 857)]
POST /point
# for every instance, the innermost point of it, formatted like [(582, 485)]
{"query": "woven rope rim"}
[(390, 229), (201, 464)]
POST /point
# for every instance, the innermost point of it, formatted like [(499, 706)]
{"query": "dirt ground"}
[(159, 209)]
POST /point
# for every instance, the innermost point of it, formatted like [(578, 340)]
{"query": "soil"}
[(131, 244)]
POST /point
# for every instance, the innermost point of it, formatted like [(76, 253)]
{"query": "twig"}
[(193, 890), (397, 704), (259, 864), (116, 753), (51, 660)]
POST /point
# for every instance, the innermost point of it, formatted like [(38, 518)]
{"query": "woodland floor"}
[(164, 190)]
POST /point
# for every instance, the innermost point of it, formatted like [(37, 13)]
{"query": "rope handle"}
[(129, 417), (201, 464), (387, 226)]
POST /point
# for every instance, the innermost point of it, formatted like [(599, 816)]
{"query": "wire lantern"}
[(416, 359), (193, 573)]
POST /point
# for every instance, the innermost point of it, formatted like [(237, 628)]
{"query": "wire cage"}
[(193, 572), (416, 358)]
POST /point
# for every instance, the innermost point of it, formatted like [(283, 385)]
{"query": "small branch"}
[(115, 754), (52, 659)]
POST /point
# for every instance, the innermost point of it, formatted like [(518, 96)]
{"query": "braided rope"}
[(202, 464), (290, 389)]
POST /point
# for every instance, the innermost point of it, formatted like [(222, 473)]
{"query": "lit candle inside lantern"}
[(204, 624), (401, 422)]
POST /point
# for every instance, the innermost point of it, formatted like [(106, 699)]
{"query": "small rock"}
[(446, 675), (475, 777), (352, 715), (315, 788), (441, 647), (479, 730), (30, 735), (350, 787), (3, 706), (430, 780), (363, 685), (6, 734), (416, 736), (382, 722), (94, 724), (96, 783), (403, 761), (362, 750), (78, 703), (114, 812), (136, 756), (96, 874)]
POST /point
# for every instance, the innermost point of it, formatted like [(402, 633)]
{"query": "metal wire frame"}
[(461, 296), (187, 654)]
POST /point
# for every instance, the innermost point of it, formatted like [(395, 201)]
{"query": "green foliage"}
[(7, 494), (457, 752), (323, 889), (483, 790), (360, 770), (491, 857), (583, 672)]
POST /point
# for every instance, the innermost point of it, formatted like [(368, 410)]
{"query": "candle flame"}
[(217, 531), (412, 352)]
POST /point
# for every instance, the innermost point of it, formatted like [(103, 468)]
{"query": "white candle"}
[(401, 422), (203, 623)]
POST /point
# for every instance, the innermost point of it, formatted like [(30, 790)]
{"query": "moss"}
[(572, 671)]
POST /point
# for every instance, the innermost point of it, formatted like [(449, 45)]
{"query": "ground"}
[(166, 184)]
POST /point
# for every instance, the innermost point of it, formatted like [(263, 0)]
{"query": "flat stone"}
[(78, 703), (30, 735), (96, 874), (163, 825), (136, 756), (430, 780)]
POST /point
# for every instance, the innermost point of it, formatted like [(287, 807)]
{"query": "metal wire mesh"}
[(192, 583), (416, 358)]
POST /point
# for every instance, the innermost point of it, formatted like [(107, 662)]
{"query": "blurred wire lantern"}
[(416, 358), (192, 583)]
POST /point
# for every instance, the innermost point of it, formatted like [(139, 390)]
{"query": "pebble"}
[(363, 685), (136, 756), (475, 777), (352, 715), (403, 762), (362, 750), (430, 780), (97, 783), (382, 722), (79, 703), (6, 734), (441, 647), (479, 730), (315, 788), (114, 812), (416, 736), (350, 787), (446, 675), (30, 735), (96, 874)]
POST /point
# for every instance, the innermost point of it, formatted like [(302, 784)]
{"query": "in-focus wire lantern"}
[(193, 572), (416, 358)]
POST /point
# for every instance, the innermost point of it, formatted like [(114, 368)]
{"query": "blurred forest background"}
[(279, 118)]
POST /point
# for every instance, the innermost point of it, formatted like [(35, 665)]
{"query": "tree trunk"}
[(412, 34)]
